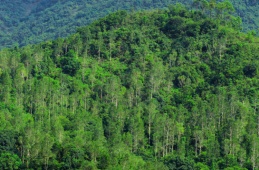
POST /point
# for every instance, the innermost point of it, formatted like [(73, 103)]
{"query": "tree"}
[(6, 87), (10, 161), (69, 63), (254, 152), (201, 4)]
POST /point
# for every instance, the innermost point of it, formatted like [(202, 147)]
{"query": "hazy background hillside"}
[(32, 21)]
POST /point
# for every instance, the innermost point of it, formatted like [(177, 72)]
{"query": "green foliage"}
[(162, 89), (201, 166), (69, 63), (179, 164), (8, 141), (9, 161), (26, 22)]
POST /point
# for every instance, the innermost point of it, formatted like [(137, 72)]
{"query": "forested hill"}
[(32, 21), (162, 89)]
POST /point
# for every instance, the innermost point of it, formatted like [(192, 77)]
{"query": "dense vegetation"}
[(32, 21), (162, 89)]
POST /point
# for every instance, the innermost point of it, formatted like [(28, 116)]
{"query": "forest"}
[(167, 89), (24, 22)]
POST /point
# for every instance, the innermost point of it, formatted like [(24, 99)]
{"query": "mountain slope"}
[(36, 21), (162, 89)]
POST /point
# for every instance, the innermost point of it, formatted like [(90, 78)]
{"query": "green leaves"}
[(162, 89), (69, 63), (9, 161), (8, 141)]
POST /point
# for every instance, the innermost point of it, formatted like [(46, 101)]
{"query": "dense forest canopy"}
[(33, 21), (162, 89)]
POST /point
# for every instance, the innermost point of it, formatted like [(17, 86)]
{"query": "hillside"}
[(161, 89), (33, 21)]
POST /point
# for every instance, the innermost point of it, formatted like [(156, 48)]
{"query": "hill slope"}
[(30, 21), (163, 89)]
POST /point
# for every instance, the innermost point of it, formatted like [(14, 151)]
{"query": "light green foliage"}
[(9, 161)]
